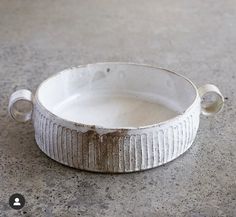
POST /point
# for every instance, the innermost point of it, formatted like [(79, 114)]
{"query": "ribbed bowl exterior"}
[(114, 151)]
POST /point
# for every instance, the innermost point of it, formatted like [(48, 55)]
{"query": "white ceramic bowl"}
[(115, 117)]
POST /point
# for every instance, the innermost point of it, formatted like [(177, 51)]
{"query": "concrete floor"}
[(194, 38)]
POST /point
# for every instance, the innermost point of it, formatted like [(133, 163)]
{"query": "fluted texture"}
[(121, 152)]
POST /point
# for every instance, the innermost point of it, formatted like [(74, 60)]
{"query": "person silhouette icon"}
[(17, 202)]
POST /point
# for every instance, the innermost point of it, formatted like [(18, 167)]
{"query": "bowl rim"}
[(36, 98)]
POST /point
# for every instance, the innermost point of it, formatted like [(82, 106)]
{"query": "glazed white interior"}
[(116, 95)]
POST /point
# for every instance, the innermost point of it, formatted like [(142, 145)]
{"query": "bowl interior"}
[(116, 95)]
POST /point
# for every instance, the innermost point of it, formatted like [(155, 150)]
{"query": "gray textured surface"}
[(195, 38)]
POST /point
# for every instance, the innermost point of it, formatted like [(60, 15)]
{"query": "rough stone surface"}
[(194, 38)]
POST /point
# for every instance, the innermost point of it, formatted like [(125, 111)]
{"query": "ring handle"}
[(214, 106), (20, 106)]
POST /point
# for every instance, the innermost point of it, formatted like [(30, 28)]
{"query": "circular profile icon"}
[(17, 201)]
